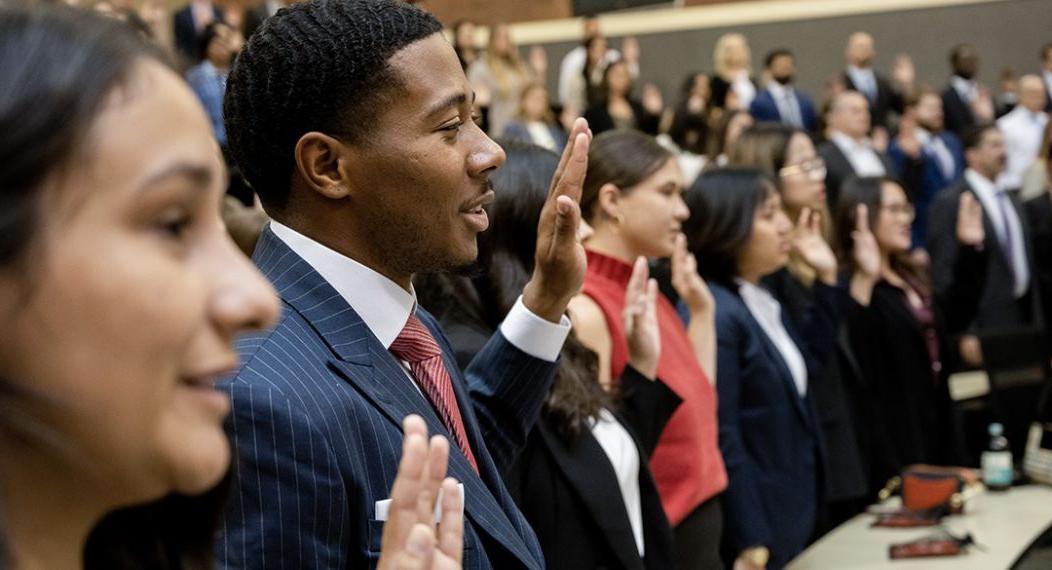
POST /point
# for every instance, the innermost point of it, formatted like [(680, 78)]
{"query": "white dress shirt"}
[(998, 207), (1022, 130), (864, 80), (541, 135), (385, 307), (768, 312), (967, 89), (743, 88), (621, 450), (860, 154), (788, 105)]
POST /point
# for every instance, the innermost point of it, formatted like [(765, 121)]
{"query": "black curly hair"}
[(314, 66)]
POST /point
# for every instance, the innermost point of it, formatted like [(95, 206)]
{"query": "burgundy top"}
[(925, 316), (687, 464)]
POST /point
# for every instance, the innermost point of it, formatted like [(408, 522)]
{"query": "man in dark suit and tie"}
[(781, 102), (1010, 298), (849, 150), (882, 96), (965, 101), (352, 121), (925, 156)]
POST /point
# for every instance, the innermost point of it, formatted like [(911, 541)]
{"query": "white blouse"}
[(621, 450), (768, 312)]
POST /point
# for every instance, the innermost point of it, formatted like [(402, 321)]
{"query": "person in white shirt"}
[(849, 150), (965, 101), (1023, 129), (733, 87), (883, 97)]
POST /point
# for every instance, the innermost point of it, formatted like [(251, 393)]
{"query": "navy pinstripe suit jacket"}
[(316, 427)]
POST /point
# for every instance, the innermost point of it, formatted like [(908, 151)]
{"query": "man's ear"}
[(321, 162)]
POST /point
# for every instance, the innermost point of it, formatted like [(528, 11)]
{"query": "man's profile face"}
[(423, 173)]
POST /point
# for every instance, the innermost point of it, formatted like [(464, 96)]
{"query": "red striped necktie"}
[(416, 346)]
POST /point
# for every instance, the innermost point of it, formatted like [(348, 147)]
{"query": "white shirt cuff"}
[(533, 335)]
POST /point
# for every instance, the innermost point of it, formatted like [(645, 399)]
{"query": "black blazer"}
[(570, 496), (843, 470), (599, 119), (1039, 214), (958, 115), (905, 414), (998, 307), (720, 88), (888, 100), (839, 169)]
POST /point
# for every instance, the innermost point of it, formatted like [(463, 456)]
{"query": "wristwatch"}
[(756, 555)]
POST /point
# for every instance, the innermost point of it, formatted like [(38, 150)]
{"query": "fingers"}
[(862, 219), (637, 282), (805, 215), (451, 531), (567, 220), (679, 256), (651, 297), (816, 223), (571, 178), (580, 126), (437, 461)]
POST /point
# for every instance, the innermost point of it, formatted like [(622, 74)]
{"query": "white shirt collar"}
[(964, 87), (381, 303), (778, 90), (768, 314), (985, 188), (847, 143)]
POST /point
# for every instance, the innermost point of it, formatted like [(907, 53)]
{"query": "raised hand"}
[(538, 59), (903, 71), (812, 247), (907, 139), (560, 259), (983, 105), (640, 320), (410, 540), (630, 49), (866, 253), (687, 282), (651, 99), (970, 230)]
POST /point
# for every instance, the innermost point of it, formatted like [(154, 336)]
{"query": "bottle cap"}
[(996, 429)]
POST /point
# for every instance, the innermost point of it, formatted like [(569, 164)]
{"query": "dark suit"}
[(764, 108), (570, 495), (888, 99), (515, 130), (839, 169), (187, 36), (924, 178), (957, 113), (316, 427), (998, 307), (769, 434), (1039, 216)]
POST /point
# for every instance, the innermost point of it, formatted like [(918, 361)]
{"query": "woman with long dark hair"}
[(582, 480), (904, 335), (618, 109), (766, 363), (121, 294), (632, 198)]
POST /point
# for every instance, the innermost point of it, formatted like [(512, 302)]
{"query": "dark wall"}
[(1006, 33)]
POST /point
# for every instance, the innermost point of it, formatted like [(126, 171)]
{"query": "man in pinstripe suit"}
[(352, 121)]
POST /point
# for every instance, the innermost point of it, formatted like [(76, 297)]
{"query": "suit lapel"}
[(361, 360), (595, 486)]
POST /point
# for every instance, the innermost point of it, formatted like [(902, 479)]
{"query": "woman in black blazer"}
[(767, 363), (564, 480), (904, 335), (618, 110)]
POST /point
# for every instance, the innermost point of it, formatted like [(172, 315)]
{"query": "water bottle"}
[(997, 460)]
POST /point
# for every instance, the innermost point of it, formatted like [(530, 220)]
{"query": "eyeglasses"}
[(897, 209), (814, 169)]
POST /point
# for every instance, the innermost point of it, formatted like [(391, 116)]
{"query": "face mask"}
[(784, 80)]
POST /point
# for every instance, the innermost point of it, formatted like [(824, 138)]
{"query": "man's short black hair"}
[(776, 53), (314, 66), (972, 137)]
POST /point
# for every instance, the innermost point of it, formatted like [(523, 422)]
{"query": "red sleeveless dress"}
[(687, 464)]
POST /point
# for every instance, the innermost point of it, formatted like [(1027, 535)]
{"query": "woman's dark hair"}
[(869, 191), (506, 258), (718, 132), (314, 66), (58, 68), (604, 87), (622, 157), (723, 203), (208, 35)]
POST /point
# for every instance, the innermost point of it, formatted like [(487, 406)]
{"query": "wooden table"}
[(1005, 524)]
